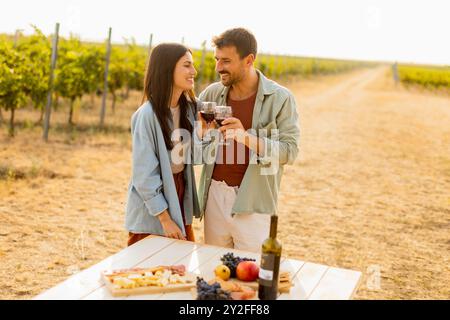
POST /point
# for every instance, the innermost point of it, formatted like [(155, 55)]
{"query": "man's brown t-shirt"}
[(232, 170)]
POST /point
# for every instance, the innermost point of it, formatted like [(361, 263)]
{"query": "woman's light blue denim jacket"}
[(152, 187)]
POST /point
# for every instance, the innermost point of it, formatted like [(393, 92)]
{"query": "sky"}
[(414, 31)]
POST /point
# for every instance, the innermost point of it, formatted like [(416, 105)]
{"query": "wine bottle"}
[(270, 264)]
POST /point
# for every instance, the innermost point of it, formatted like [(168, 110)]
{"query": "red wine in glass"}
[(207, 110), (222, 112), (208, 116)]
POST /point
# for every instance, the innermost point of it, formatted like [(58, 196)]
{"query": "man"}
[(239, 190)]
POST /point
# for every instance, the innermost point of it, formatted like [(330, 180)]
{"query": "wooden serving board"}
[(150, 289), (284, 283)]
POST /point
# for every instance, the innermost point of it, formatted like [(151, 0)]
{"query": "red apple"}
[(247, 271)]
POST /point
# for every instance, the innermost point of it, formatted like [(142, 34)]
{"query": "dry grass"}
[(370, 188)]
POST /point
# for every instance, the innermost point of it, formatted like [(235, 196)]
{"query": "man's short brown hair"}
[(242, 39)]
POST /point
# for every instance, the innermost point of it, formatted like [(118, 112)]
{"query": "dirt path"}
[(369, 190)]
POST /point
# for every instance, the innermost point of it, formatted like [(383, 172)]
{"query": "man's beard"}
[(230, 80)]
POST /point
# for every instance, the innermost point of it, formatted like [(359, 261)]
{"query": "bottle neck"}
[(273, 226)]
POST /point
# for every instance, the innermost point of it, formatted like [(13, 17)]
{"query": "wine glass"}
[(207, 110), (222, 113)]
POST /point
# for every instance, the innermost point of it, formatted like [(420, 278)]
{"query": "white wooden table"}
[(311, 281)]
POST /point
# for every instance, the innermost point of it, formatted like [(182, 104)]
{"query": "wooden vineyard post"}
[(150, 44), (105, 83), (48, 106), (202, 63), (395, 73), (278, 67), (16, 37)]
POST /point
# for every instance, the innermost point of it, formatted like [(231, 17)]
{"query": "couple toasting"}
[(236, 196)]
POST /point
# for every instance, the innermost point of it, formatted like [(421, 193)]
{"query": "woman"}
[(162, 197)]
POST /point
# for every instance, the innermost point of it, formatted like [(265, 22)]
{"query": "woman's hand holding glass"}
[(206, 118)]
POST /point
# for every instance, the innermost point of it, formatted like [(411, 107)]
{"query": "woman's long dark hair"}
[(158, 85)]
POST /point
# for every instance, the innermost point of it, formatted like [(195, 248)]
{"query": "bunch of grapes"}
[(232, 262), (206, 291)]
